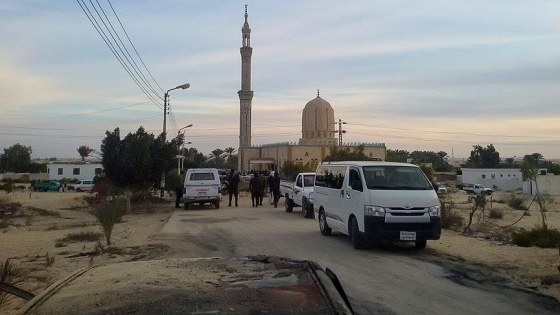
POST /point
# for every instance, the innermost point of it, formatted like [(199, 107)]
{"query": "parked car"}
[(83, 185), (441, 188), (46, 186), (478, 189), (299, 193), (201, 186)]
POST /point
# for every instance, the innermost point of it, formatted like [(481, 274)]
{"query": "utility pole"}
[(340, 131), (165, 98)]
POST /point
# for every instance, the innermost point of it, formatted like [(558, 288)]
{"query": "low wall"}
[(25, 176)]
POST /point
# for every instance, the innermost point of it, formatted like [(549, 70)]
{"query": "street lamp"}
[(166, 96), (180, 153)]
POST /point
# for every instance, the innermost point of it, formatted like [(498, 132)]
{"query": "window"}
[(308, 180), (202, 176), (98, 171), (483, 176), (354, 176), (76, 171), (395, 178), (493, 176), (60, 171), (298, 181), (330, 176)]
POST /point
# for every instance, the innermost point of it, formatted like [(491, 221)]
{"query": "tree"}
[(529, 172), (216, 159), (289, 169), (16, 158), (357, 154), (484, 157), (535, 158), (397, 156), (84, 151)]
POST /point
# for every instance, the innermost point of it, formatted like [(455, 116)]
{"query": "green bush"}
[(538, 236), (516, 202), (450, 219), (496, 214)]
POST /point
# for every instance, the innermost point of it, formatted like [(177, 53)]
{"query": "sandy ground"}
[(32, 240)]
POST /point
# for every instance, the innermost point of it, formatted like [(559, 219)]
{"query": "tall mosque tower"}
[(245, 94)]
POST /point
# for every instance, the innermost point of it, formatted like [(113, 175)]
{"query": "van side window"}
[(354, 180), (330, 176)]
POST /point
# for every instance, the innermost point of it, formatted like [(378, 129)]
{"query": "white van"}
[(202, 185), (83, 185), (375, 201)]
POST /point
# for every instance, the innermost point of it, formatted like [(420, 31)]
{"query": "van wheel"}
[(421, 244), (357, 238), (186, 206), (217, 204), (307, 213), (288, 204), (323, 226)]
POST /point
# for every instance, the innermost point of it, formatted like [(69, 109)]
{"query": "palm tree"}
[(84, 151), (216, 154), (229, 151)]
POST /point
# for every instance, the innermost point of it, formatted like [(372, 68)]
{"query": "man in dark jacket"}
[(233, 186), (255, 188), (179, 190), (275, 185)]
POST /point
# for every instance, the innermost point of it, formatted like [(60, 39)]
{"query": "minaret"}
[(245, 94)]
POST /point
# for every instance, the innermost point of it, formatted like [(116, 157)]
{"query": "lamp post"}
[(165, 97), (180, 154)]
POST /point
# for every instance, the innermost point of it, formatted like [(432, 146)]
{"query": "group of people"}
[(259, 185)]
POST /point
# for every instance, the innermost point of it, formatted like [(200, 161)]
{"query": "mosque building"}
[(318, 132)]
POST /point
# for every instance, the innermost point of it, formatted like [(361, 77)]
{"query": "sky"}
[(415, 75)]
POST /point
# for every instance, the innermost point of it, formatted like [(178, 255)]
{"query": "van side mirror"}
[(357, 185)]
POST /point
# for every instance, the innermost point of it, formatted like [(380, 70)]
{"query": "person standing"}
[(276, 188), (179, 190), (255, 188), (262, 181), (233, 186)]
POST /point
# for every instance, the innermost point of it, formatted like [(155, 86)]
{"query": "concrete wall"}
[(502, 178), (548, 184)]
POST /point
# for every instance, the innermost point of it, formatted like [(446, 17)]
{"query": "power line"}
[(82, 114), (134, 47), (105, 38)]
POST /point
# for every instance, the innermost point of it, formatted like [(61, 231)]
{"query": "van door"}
[(355, 197), (337, 212), (298, 189)]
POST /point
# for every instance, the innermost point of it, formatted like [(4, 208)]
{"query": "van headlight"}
[(311, 195), (374, 211), (433, 211)]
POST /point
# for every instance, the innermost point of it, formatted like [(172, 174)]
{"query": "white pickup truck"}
[(299, 193), (479, 189)]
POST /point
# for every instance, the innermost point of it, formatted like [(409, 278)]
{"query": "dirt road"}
[(387, 280)]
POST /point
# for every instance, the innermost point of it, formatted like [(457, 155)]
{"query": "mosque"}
[(317, 127)]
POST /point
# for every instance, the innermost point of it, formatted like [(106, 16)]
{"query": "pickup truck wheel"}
[(78, 190), (307, 213), (323, 226), (421, 244), (217, 204), (357, 239), (186, 206), (288, 204)]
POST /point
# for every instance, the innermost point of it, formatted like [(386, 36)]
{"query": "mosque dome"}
[(317, 124)]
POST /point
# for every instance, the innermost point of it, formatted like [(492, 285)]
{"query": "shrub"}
[(108, 213), (450, 219), (496, 214), (538, 236), (516, 202), (10, 274), (6, 206)]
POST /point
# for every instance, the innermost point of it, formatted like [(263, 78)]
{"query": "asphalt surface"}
[(386, 280)]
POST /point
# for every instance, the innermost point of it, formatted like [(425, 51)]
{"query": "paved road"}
[(380, 281)]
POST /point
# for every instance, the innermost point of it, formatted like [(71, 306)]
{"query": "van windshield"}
[(395, 178)]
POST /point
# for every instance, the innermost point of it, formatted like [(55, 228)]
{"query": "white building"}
[(500, 178), (73, 170)]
